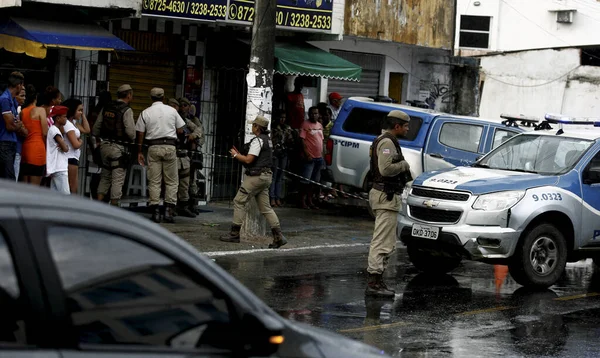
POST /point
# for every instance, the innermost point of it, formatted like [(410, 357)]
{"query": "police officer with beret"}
[(390, 174), (159, 125), (258, 162), (116, 128)]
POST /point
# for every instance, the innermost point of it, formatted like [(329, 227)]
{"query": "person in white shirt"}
[(56, 151), (74, 130), (159, 125)]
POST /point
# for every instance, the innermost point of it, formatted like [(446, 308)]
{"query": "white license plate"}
[(425, 232)]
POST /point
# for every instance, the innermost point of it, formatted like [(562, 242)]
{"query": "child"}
[(57, 162)]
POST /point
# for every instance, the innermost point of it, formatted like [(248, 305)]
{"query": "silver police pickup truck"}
[(533, 204)]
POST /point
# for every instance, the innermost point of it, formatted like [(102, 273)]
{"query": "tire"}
[(540, 258), (428, 261)]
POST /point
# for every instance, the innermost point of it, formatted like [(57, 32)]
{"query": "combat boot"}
[(278, 239), (376, 287), (184, 210), (168, 218), (193, 207), (233, 236), (156, 214)]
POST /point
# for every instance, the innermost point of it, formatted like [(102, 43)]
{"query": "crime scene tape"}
[(187, 151)]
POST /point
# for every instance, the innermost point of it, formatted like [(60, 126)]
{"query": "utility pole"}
[(260, 93)]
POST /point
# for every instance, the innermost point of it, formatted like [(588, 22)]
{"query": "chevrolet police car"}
[(533, 203)]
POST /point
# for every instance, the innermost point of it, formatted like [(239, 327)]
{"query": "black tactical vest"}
[(393, 184), (113, 126), (265, 157)]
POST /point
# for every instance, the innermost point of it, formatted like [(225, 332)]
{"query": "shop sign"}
[(295, 14)]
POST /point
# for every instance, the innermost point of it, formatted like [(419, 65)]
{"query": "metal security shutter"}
[(371, 64), (142, 78), (368, 85)]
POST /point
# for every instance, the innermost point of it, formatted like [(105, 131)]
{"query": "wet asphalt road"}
[(477, 310)]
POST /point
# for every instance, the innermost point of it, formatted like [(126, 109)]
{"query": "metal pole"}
[(260, 91)]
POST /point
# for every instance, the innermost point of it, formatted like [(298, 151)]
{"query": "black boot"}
[(191, 205), (278, 239), (156, 214), (376, 287), (168, 218), (233, 236), (183, 210)]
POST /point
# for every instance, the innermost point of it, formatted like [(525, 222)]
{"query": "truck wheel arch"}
[(560, 220)]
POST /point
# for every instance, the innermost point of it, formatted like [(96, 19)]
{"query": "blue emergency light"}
[(560, 119)]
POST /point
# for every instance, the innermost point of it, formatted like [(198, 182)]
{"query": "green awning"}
[(307, 60)]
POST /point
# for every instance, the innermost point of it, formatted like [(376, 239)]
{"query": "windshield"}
[(542, 154)]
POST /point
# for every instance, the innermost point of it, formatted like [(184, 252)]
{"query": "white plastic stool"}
[(137, 181)]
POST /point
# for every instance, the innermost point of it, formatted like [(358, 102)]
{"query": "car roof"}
[(571, 130), (19, 194), (430, 112)]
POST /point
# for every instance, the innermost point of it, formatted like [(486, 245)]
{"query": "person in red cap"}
[(335, 103), (57, 161)]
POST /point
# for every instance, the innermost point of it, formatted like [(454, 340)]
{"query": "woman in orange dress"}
[(33, 156)]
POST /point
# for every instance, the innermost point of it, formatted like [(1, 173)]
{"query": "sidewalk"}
[(302, 228)]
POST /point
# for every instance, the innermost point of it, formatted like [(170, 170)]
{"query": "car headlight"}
[(406, 190), (498, 201)]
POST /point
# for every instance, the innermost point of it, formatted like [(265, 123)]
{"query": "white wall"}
[(537, 82), (337, 17), (520, 25), (9, 3), (398, 58)]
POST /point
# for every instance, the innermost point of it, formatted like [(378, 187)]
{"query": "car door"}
[(454, 143), (23, 318), (123, 298), (590, 189), (498, 135)]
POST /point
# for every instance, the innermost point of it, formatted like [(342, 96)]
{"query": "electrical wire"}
[(529, 86)]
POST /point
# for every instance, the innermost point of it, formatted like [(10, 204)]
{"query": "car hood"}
[(303, 340), (481, 180)]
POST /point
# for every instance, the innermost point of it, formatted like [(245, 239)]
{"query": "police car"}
[(533, 204), (435, 140)]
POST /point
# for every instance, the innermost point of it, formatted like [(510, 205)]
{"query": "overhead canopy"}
[(307, 60), (33, 37)]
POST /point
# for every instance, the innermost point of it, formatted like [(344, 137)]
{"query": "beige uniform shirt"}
[(159, 121), (386, 153)]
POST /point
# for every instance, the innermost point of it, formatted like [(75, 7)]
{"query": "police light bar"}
[(520, 117), (559, 118)]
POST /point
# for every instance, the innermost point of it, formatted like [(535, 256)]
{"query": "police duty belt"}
[(188, 151)]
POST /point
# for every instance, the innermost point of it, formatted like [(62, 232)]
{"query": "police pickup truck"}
[(435, 140), (533, 203)]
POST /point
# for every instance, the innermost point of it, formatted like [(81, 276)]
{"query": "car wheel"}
[(431, 261), (540, 259)]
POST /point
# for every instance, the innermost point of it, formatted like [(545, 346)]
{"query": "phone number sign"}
[(300, 14)]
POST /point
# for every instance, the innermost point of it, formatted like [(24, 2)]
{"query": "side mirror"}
[(592, 175), (262, 335)]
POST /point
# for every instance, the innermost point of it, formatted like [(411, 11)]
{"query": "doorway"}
[(395, 86)]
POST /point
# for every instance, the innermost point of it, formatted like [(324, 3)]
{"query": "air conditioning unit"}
[(565, 16)]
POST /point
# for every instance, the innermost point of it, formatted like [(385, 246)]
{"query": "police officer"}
[(116, 129), (159, 125), (258, 162), (390, 174), (185, 150), (196, 158)]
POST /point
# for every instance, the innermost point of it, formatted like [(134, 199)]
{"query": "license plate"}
[(425, 232)]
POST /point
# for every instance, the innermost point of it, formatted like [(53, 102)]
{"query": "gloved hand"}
[(404, 166)]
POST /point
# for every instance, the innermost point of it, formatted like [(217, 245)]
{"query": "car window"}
[(461, 136), (368, 121), (12, 324), (501, 136), (122, 292)]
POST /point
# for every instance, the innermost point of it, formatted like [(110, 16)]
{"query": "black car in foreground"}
[(82, 279)]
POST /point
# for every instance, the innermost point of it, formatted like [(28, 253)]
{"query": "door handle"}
[(436, 155)]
